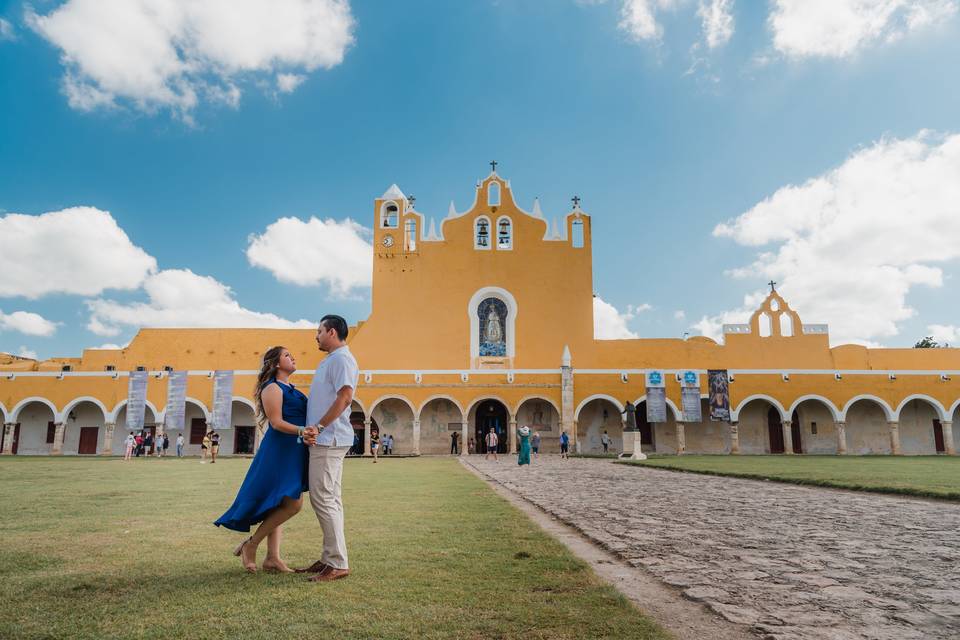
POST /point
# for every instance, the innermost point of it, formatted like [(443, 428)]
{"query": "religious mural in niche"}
[(493, 322)]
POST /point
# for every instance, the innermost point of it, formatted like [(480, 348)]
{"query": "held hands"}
[(310, 434)]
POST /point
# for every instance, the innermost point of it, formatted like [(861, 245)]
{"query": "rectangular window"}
[(576, 229), (198, 427), (51, 431), (813, 428)]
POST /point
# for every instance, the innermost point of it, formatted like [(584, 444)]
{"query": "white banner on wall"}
[(222, 399), (136, 400), (656, 397), (173, 416), (690, 397)]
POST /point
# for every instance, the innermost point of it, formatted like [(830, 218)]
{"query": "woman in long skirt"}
[(271, 492), (524, 457)]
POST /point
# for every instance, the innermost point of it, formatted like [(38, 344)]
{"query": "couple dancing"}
[(302, 450)]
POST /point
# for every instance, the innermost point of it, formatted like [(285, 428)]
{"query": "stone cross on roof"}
[(576, 201), (773, 286), (493, 166)]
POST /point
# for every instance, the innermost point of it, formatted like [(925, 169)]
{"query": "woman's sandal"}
[(239, 553)]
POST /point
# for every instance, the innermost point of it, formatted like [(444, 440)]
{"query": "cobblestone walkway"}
[(792, 562)]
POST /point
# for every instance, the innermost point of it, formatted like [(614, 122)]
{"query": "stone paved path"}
[(793, 562)]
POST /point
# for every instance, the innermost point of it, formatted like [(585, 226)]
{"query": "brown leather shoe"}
[(330, 575), (316, 567)]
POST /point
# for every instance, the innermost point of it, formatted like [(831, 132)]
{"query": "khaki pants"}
[(326, 472)]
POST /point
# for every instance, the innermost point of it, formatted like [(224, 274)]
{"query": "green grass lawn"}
[(100, 548), (927, 476)]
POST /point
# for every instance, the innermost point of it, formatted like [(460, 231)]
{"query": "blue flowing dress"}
[(524, 457), (279, 469)]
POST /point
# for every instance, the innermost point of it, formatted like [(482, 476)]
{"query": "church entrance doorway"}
[(243, 440), (775, 427), (795, 433), (491, 414)]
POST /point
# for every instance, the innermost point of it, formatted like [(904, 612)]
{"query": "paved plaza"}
[(792, 562)]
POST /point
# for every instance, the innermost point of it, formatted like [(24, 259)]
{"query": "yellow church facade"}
[(486, 321)]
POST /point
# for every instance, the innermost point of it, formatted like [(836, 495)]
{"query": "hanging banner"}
[(690, 397), (656, 397), (222, 399), (719, 386), (136, 400), (173, 416)]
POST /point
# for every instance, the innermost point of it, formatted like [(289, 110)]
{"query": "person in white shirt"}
[(329, 435), (605, 441), (492, 443), (130, 443), (180, 445)]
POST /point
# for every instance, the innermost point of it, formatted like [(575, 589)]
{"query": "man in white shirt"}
[(329, 435)]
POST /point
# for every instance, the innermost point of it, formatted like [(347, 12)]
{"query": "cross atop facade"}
[(493, 166), (412, 200), (576, 201), (773, 286)]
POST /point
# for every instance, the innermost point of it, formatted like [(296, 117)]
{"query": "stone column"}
[(681, 439), (841, 438), (416, 436), (57, 439), (366, 436), (463, 436), (734, 438), (108, 429), (9, 429), (947, 427), (894, 437), (788, 437), (566, 398), (512, 436)]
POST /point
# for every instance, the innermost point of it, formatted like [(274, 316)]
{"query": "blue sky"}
[(623, 102)]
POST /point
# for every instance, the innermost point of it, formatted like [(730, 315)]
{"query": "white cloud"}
[(172, 53), (838, 28), (679, 314), (639, 18), (608, 323), (850, 244), (27, 353), (112, 346), (181, 298), (80, 250), (287, 82), (717, 18), (28, 323), (944, 333), (312, 252), (6, 31)]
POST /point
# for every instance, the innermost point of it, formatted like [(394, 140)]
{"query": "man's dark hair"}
[(337, 323)]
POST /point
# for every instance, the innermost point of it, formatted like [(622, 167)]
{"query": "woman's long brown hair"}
[(268, 371)]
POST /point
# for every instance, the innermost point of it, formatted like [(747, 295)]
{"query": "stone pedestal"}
[(416, 437), (788, 437), (734, 438), (9, 429), (57, 448), (894, 437), (841, 438), (108, 430), (681, 439), (948, 444), (632, 447)]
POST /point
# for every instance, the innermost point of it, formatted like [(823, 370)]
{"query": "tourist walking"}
[(535, 444), (524, 456), (179, 445), (138, 444), (454, 439), (492, 442), (272, 489), (605, 441), (147, 444), (389, 448), (330, 434), (564, 446), (204, 447), (214, 446), (375, 444), (471, 446), (129, 444)]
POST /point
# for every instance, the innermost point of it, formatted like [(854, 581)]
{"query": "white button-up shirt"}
[(338, 370)]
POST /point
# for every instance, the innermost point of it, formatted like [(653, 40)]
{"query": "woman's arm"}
[(272, 399)]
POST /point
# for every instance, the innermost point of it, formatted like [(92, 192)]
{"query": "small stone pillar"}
[(841, 438), (464, 449), (108, 429), (512, 436), (366, 436), (9, 429), (57, 449), (947, 427), (734, 438), (894, 437), (416, 436), (681, 439), (788, 437), (566, 398)]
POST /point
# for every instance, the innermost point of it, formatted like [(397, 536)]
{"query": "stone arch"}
[(583, 403), (436, 414), (516, 408), (441, 396), (17, 408), (201, 405), (3, 413), (157, 415), (362, 407), (954, 407), (938, 407), (761, 433), (34, 415), (834, 412), (478, 400), (887, 410), (735, 413), (395, 423), (593, 417), (500, 418), (526, 414), (401, 398), (73, 403)]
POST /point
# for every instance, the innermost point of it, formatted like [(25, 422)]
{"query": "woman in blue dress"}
[(271, 492)]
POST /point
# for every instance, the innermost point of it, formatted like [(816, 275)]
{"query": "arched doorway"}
[(775, 431), (596, 417), (84, 428), (867, 427), (439, 418), (542, 417), (394, 416), (34, 429), (244, 425), (760, 426), (490, 414)]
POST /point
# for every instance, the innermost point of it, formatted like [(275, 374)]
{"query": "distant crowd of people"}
[(143, 443)]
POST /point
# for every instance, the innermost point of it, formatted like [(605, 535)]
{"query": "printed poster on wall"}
[(136, 400), (656, 397), (690, 397), (719, 385), (173, 416), (222, 399)]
